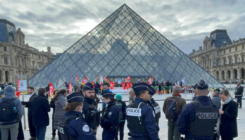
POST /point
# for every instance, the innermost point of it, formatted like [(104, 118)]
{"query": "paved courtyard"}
[(163, 123)]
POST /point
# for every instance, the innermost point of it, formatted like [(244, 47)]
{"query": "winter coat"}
[(40, 106), (216, 101), (228, 123), (60, 103), (239, 92), (180, 103)]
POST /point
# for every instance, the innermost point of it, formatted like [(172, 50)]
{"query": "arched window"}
[(6, 76)]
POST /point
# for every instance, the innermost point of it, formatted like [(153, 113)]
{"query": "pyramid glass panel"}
[(122, 45)]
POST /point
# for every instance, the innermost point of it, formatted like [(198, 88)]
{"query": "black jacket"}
[(228, 123), (29, 104), (40, 106), (239, 92)]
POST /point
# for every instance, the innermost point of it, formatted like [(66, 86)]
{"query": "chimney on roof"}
[(193, 50), (49, 49), (200, 48)]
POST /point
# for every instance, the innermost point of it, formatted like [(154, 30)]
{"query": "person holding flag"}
[(77, 79)]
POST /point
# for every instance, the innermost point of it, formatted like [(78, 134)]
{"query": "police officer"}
[(91, 115), (140, 116), (198, 119), (72, 125), (155, 106), (110, 117)]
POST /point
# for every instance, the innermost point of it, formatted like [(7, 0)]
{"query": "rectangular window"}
[(40, 66), (217, 53), (224, 51), (243, 46), (235, 60), (39, 57), (5, 49), (217, 62), (236, 48), (229, 50), (6, 60), (242, 58)]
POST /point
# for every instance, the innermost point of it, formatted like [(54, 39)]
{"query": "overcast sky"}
[(60, 23)]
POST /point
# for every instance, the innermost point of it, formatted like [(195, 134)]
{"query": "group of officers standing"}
[(197, 120)]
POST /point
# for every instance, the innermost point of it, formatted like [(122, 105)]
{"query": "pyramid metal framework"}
[(123, 44)]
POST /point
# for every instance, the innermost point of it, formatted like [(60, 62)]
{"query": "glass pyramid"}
[(123, 44)]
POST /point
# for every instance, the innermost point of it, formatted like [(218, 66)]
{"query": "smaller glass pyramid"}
[(123, 44)]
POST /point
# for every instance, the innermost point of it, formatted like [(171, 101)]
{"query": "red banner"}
[(77, 79), (70, 87), (51, 89), (18, 85), (84, 81)]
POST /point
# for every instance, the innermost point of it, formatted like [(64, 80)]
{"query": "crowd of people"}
[(76, 115)]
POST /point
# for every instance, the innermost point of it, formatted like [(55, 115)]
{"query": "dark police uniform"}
[(110, 119), (198, 119), (72, 126), (155, 106), (141, 117), (91, 114)]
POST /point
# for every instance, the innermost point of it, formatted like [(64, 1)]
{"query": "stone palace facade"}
[(221, 57), (16, 56)]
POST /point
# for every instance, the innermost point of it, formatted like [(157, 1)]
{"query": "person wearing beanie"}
[(72, 126), (109, 120), (122, 114), (2, 95), (9, 92)]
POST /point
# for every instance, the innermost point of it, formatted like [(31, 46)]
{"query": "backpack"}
[(8, 110), (119, 105), (171, 109)]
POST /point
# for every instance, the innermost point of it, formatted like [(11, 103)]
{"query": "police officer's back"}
[(92, 116), (155, 106), (198, 119), (110, 117), (140, 116), (72, 126)]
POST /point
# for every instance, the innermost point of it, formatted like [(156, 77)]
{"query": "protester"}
[(227, 122), (60, 103), (40, 111), (110, 117), (72, 126), (52, 105), (131, 96), (160, 88), (172, 108), (32, 129), (216, 99), (239, 94), (9, 120), (122, 114)]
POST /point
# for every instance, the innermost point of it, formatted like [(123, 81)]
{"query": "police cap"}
[(75, 97), (140, 86), (152, 91), (202, 85), (108, 95), (88, 86)]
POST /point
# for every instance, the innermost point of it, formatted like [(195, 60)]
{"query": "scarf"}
[(177, 94), (221, 107)]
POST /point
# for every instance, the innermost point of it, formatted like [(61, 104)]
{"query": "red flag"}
[(128, 78), (84, 81), (123, 85), (18, 93), (93, 84), (51, 89), (77, 79), (70, 87), (111, 85), (18, 85), (127, 85)]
